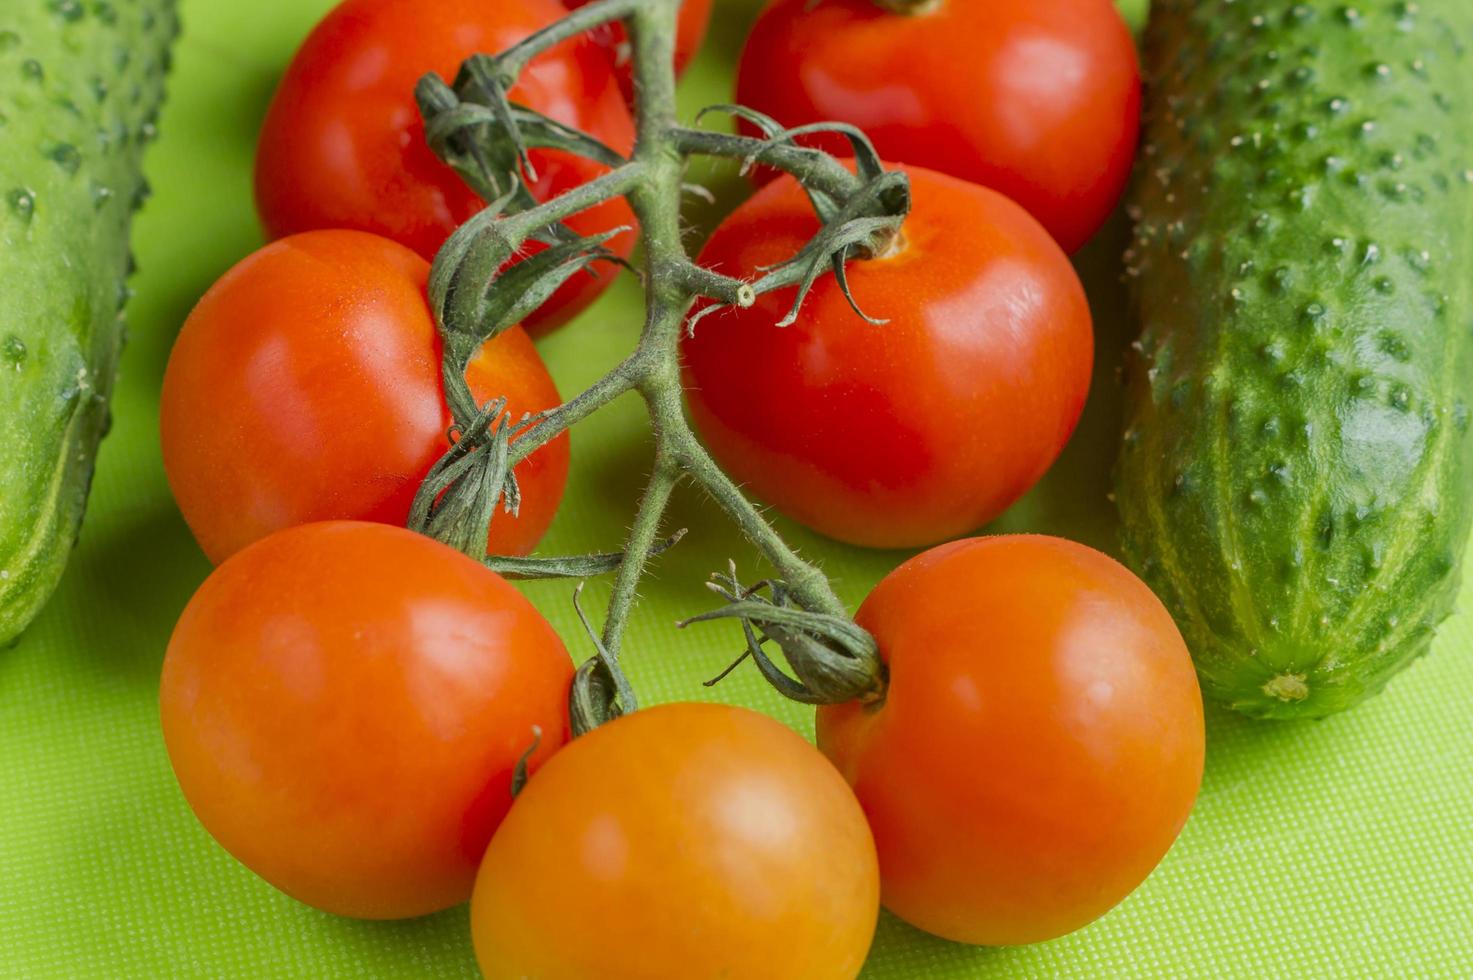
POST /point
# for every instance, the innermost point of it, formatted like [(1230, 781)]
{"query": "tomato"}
[(920, 429), (1038, 99), (344, 705), (343, 145), (687, 840), (690, 31), (306, 386), (1040, 743)]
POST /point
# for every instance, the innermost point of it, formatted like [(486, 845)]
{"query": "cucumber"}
[(1296, 479), (80, 87)]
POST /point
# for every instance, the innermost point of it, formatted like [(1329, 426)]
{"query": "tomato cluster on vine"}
[(1010, 732)]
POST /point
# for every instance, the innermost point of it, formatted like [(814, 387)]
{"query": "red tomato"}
[(344, 705), (305, 386), (343, 145), (1040, 744), (1038, 99), (911, 432), (687, 840), (690, 31)]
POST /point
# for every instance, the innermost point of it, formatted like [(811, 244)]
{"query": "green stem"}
[(621, 380), (807, 583), (713, 285), (814, 168), (580, 21), (804, 615), (652, 32), (643, 536), (570, 566), (518, 227), (617, 182)]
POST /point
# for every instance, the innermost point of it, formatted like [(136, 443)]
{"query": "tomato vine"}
[(477, 290)]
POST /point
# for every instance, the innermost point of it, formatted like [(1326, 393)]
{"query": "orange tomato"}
[(688, 840), (305, 386), (1040, 744), (344, 705)]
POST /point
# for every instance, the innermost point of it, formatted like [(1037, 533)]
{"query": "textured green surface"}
[(1340, 848), (1297, 477), (79, 91)]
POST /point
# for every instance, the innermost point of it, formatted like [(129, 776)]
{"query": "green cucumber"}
[(1296, 480), (80, 86)]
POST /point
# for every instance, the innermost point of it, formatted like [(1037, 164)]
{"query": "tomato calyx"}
[(833, 659), (476, 129), (480, 286), (862, 219), (461, 492)]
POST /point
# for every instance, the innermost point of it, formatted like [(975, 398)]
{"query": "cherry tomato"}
[(920, 429), (344, 705), (1040, 743), (343, 145), (688, 840), (1038, 99), (306, 386), (690, 31)]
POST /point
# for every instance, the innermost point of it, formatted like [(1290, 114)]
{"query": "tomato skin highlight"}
[(343, 145), (684, 840), (1040, 745), (1037, 99), (344, 705), (917, 430), (306, 386)]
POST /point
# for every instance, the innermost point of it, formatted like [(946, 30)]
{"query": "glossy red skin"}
[(915, 431), (690, 31), (343, 145), (305, 386), (344, 705), (1040, 745), (1038, 99), (691, 841)]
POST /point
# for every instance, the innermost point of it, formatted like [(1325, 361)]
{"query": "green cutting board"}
[(1342, 848)]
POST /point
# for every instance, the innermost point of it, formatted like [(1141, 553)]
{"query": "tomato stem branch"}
[(709, 284), (548, 426), (580, 21), (806, 581), (813, 168), (858, 207), (615, 183), (570, 566), (637, 549)]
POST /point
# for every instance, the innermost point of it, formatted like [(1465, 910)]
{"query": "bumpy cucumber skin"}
[(80, 86), (1297, 467)]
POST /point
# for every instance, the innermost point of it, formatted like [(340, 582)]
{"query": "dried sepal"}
[(832, 658), (459, 497)]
